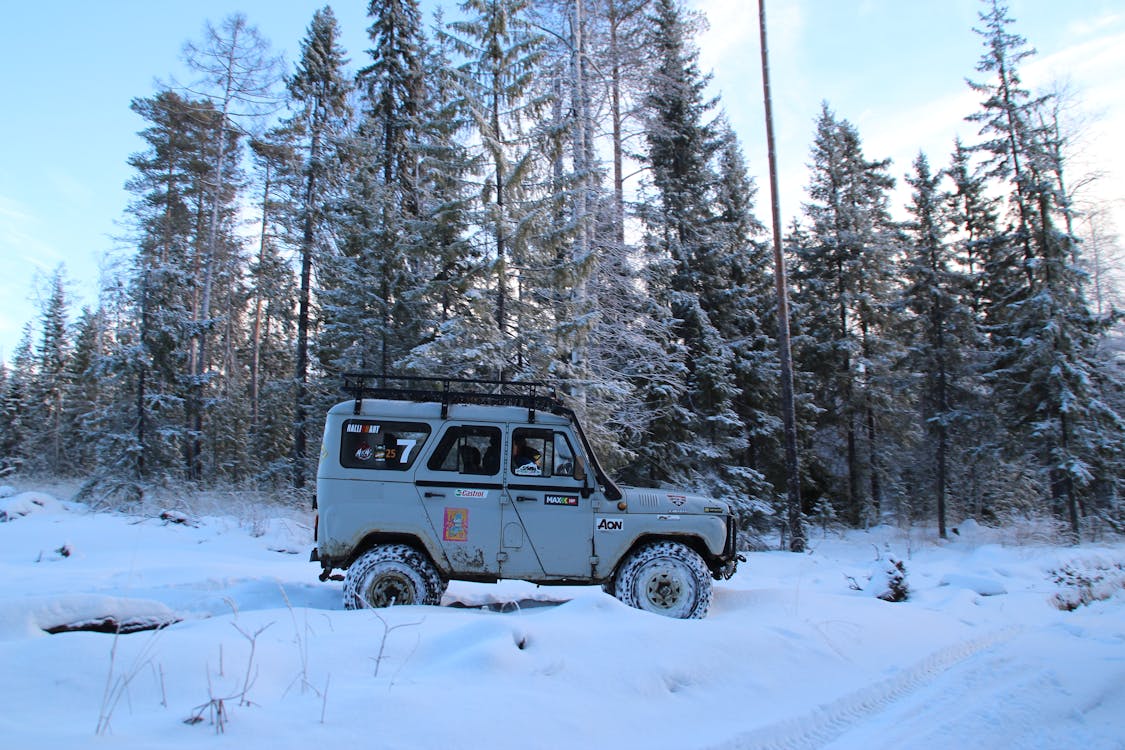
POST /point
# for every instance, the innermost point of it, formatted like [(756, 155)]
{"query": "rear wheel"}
[(390, 575), (667, 578)]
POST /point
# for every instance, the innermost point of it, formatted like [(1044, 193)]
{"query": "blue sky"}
[(894, 68)]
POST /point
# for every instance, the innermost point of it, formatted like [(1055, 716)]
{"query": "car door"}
[(547, 515), (461, 490)]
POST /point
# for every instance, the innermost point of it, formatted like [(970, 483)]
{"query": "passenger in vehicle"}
[(491, 463)]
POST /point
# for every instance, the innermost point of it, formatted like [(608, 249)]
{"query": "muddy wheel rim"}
[(390, 589)]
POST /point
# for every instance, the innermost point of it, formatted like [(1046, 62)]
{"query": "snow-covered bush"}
[(1087, 581), (111, 493), (25, 504), (896, 589)]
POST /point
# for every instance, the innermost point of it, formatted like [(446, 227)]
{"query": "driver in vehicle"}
[(525, 459)]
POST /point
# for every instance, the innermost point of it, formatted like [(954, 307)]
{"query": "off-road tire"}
[(666, 578), (390, 575)]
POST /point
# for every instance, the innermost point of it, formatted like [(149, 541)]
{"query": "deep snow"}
[(791, 655)]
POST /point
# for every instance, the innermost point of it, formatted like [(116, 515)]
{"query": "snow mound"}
[(970, 530), (980, 584), (35, 616), (26, 503), (7, 490)]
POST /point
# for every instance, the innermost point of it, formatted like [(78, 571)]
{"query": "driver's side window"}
[(532, 452), (541, 453)]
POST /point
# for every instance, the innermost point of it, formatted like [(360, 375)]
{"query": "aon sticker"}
[(610, 524)]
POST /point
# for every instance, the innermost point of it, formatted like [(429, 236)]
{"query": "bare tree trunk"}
[(300, 436), (501, 245), (256, 331), (789, 413), (615, 21)]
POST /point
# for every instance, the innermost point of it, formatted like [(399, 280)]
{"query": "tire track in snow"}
[(829, 721)]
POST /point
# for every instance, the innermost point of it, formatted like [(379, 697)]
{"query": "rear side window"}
[(373, 444), (468, 449)]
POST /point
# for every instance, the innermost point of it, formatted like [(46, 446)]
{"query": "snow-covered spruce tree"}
[(118, 422), (84, 388), (456, 315), (48, 443), (7, 417), (695, 433), (991, 477), (939, 338), (318, 91), (157, 310), (844, 294), (742, 302), (17, 406), (375, 311), (502, 53), (1047, 371)]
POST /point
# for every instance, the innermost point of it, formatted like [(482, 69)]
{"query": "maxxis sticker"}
[(567, 500)]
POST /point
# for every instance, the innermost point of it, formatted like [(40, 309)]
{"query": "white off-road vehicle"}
[(473, 480)]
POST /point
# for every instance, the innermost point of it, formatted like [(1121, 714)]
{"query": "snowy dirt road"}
[(791, 656)]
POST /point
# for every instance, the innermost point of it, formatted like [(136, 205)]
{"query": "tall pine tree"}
[(1047, 369), (320, 91)]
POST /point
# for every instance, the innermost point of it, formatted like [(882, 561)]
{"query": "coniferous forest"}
[(546, 190)]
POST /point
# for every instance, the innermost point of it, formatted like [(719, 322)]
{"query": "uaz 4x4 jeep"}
[(419, 486)]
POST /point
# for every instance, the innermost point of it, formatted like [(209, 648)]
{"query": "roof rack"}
[(446, 391)]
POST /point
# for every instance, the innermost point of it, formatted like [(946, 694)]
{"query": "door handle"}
[(525, 499), (434, 494)]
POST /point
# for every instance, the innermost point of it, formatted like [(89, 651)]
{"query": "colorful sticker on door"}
[(456, 527), (570, 500)]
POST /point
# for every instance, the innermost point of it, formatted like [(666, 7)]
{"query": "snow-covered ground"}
[(791, 656)]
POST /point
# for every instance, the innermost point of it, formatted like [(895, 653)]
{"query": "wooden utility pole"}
[(788, 409)]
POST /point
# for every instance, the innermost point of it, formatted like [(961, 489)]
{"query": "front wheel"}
[(667, 578), (390, 575)]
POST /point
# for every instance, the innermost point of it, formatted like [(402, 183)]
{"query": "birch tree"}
[(236, 76)]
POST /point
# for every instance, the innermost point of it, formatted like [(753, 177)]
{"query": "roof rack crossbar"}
[(448, 390)]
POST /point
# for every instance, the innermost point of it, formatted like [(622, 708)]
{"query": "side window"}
[(468, 449), (564, 456), (533, 452), (389, 446)]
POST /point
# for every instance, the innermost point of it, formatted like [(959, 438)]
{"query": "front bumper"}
[(729, 560)]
